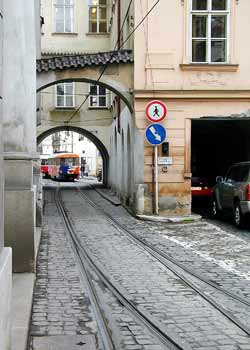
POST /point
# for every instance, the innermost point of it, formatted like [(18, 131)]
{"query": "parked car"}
[(232, 193), (200, 188)]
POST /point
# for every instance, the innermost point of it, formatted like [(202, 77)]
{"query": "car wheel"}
[(238, 216), (216, 213)]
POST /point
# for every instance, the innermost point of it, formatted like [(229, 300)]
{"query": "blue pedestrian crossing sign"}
[(155, 134)]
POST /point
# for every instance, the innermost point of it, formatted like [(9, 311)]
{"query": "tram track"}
[(85, 260), (174, 266), (105, 332)]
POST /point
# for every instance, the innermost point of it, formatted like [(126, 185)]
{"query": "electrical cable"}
[(106, 64), (122, 44)]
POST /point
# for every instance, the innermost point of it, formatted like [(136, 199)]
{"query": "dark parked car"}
[(232, 193), (200, 188)]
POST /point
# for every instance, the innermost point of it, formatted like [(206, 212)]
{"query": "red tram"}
[(64, 166), (44, 165)]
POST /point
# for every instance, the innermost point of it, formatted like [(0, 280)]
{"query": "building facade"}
[(76, 28), (5, 253), (198, 66)]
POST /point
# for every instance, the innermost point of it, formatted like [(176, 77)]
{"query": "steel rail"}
[(164, 259), (104, 330), (155, 329), (176, 262)]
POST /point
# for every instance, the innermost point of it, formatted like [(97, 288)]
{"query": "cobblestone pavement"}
[(156, 290), (219, 254), (61, 306)]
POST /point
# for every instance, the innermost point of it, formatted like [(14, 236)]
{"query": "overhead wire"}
[(106, 64), (114, 52)]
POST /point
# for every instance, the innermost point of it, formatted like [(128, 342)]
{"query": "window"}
[(65, 95), (64, 16), (98, 96), (98, 16), (210, 23)]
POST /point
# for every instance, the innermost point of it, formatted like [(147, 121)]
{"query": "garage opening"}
[(216, 144)]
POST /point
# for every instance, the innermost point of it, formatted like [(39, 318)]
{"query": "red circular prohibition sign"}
[(151, 118)]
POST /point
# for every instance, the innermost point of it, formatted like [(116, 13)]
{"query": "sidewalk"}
[(22, 294)]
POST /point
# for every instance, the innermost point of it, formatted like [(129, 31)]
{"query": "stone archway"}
[(112, 70), (100, 146)]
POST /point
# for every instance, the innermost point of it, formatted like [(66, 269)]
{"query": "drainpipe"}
[(118, 100), (118, 24)]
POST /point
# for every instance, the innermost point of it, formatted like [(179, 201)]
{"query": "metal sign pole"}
[(156, 180)]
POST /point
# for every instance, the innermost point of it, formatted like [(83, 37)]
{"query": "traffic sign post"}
[(156, 135), (156, 111)]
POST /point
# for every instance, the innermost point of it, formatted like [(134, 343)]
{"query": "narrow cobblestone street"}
[(62, 305)]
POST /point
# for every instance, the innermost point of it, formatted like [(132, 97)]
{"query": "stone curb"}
[(185, 219)]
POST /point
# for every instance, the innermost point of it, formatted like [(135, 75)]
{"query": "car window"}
[(238, 174), (243, 173), (232, 174)]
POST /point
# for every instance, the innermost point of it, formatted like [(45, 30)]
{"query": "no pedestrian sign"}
[(155, 134), (156, 111)]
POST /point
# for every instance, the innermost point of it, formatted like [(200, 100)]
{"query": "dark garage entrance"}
[(216, 143)]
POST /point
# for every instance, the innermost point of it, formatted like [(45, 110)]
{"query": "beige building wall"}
[(95, 120), (80, 40), (163, 70)]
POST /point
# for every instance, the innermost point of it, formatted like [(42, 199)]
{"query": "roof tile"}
[(81, 61)]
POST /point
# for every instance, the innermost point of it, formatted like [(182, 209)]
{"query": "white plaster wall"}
[(126, 159), (5, 253), (19, 107), (1, 145), (5, 298)]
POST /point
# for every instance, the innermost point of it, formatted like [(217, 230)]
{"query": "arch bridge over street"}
[(111, 70)]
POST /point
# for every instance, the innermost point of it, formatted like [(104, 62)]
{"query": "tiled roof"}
[(84, 60)]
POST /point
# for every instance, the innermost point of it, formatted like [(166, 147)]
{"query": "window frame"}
[(65, 95), (98, 97), (209, 13), (64, 6), (98, 19)]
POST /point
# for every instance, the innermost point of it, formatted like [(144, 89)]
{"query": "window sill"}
[(64, 33), (64, 108), (94, 107), (98, 34), (205, 67)]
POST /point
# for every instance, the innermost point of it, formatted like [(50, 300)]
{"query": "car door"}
[(228, 188)]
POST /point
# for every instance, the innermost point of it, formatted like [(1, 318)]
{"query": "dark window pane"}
[(199, 51), (93, 27), (60, 90), (102, 2), (102, 101), (60, 101), (93, 90), (102, 90), (103, 27), (69, 101), (103, 13), (218, 26), (199, 26), (218, 51), (219, 5), (199, 4)]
